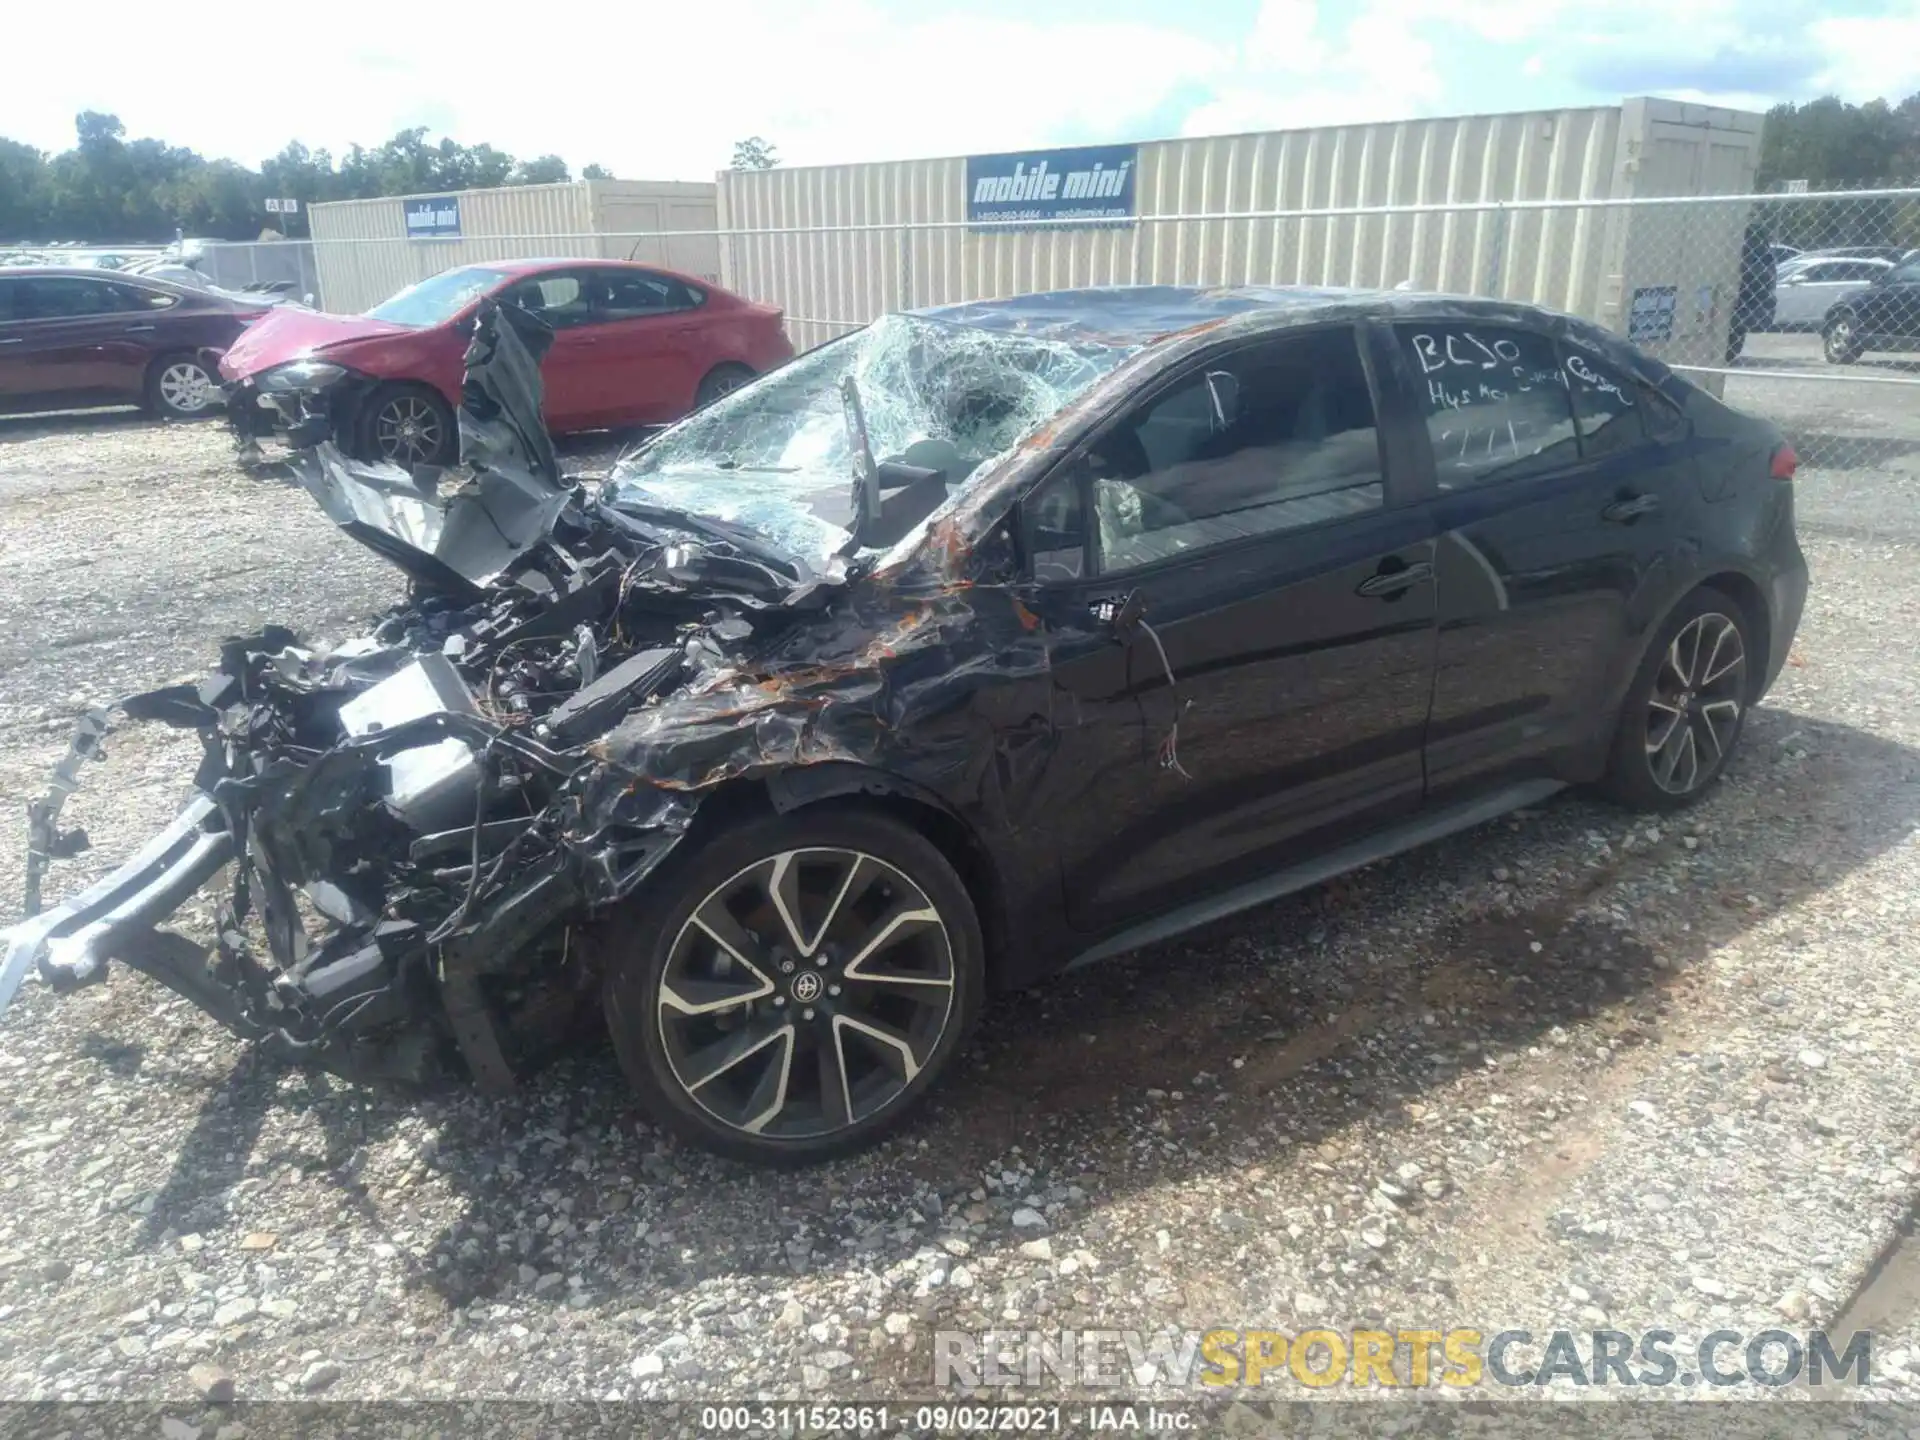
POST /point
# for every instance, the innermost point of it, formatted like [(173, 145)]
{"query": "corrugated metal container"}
[(781, 245), (364, 254)]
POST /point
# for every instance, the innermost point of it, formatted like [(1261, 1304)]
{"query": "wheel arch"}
[(1743, 590), (845, 783), (1730, 582)]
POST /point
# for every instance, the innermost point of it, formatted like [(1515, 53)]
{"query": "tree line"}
[(109, 189)]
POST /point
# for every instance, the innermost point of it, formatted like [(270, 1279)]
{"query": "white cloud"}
[(1870, 56), (825, 80), (1377, 67)]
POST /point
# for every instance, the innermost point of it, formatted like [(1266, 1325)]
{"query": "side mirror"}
[(1223, 392)]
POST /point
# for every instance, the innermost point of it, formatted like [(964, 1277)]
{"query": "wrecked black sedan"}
[(980, 642)]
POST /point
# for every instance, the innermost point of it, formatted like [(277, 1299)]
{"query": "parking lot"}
[(1573, 1069)]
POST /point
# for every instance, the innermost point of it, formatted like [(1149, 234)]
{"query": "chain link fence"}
[(1804, 308)]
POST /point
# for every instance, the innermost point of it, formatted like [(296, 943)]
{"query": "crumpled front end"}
[(417, 826)]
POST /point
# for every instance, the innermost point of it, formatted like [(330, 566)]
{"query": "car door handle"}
[(139, 329), (15, 340), (1629, 508), (1389, 583)]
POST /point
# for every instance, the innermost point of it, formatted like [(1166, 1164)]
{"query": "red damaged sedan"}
[(633, 345)]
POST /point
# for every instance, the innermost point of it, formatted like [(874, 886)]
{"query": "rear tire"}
[(721, 380), (1842, 340), (790, 991), (1686, 707), (181, 387), (406, 424)]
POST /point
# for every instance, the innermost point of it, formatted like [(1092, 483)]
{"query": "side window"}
[(130, 298), (629, 294), (1664, 419), (8, 288), (1495, 401), (48, 298), (1273, 437), (1605, 404), (559, 299), (1907, 272), (1056, 527)]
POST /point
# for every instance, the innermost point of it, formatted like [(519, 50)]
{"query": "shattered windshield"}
[(777, 457), (438, 298)]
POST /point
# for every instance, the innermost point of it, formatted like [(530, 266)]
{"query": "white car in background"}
[(1805, 290)]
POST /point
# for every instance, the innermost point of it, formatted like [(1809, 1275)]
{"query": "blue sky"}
[(661, 92)]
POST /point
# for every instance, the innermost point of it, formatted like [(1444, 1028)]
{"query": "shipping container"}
[(365, 250), (836, 246)]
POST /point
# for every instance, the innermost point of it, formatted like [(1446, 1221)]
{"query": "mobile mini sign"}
[(1092, 182), (436, 217)]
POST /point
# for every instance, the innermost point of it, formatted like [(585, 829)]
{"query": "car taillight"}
[(1785, 462)]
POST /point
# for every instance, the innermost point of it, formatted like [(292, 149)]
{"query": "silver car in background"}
[(1808, 288)]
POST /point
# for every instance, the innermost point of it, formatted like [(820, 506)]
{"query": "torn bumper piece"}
[(71, 944)]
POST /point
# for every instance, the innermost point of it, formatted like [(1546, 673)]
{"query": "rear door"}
[(645, 333), (1274, 694), (1553, 504)]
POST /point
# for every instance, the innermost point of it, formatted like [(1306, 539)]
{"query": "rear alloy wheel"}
[(721, 380), (181, 388), (1842, 341), (407, 426), (797, 1005), (1686, 709)]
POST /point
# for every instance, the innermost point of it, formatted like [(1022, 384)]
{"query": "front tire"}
[(797, 986), (181, 387), (1842, 341), (407, 425), (1686, 706)]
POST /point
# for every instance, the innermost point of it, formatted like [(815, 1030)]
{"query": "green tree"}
[(596, 172), (754, 153), (541, 170), (23, 171)]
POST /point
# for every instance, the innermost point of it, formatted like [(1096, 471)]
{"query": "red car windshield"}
[(436, 300)]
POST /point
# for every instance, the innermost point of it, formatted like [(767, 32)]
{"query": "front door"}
[(1890, 311), (1272, 692), (75, 340), (1553, 499), (569, 373)]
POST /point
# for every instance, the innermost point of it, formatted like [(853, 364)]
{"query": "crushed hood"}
[(286, 333)]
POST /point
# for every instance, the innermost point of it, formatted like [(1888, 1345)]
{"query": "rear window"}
[(1495, 400)]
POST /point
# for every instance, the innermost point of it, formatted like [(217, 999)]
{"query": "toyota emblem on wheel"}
[(807, 986)]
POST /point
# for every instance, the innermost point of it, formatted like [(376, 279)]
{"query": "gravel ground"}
[(1570, 1070)]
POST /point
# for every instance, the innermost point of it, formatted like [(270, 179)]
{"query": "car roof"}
[(569, 262), (1138, 315), (86, 272)]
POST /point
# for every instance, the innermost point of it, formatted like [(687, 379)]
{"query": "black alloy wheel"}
[(796, 1005)]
